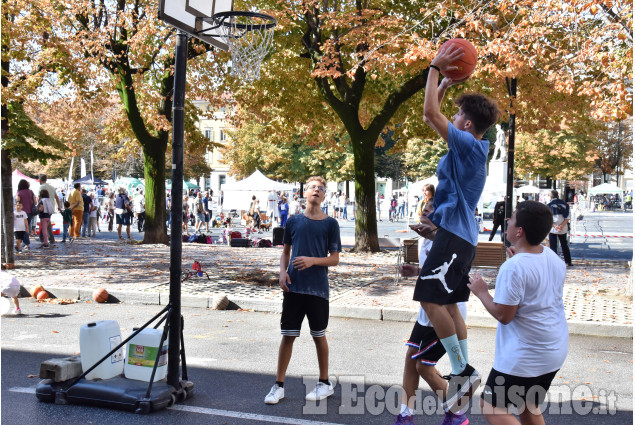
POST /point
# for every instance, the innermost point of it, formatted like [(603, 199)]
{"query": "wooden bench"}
[(489, 254), (411, 251)]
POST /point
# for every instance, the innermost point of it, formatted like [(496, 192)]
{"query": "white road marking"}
[(217, 412), (248, 416), (26, 390), (23, 337)]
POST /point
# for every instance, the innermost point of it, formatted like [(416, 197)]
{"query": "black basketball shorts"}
[(296, 306), (503, 390), (425, 340), (445, 273)]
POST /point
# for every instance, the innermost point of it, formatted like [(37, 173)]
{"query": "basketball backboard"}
[(182, 14)]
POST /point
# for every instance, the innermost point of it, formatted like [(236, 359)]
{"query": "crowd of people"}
[(200, 210), (397, 205), (281, 205), (82, 211)]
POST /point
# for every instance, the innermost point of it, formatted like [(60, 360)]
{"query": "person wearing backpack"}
[(122, 207), (393, 207)]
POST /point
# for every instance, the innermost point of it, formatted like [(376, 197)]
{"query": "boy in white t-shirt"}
[(532, 339), (424, 350), (20, 226)]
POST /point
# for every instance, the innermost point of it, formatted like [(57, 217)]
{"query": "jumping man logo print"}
[(440, 273)]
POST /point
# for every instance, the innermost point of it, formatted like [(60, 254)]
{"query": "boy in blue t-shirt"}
[(461, 172), (311, 244)]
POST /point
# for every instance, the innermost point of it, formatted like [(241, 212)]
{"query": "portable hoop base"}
[(115, 393)]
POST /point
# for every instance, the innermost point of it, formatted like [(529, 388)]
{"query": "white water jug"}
[(141, 354), (96, 339)]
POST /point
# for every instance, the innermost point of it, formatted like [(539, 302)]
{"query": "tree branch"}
[(616, 18), (396, 99)]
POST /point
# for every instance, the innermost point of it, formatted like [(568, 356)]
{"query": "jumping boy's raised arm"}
[(434, 93)]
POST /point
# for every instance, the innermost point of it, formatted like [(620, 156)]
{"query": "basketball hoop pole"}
[(130, 394), (178, 113)]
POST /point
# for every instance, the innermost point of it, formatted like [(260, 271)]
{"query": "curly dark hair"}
[(480, 109), (23, 184), (536, 220)]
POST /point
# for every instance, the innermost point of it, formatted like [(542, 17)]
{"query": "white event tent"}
[(605, 189), (530, 189), (238, 195)]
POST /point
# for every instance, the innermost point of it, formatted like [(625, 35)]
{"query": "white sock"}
[(405, 410)]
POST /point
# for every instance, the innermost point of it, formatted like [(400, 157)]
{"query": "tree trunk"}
[(365, 213), (7, 211), (154, 173), (6, 206)]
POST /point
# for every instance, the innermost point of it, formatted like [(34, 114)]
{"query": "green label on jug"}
[(144, 355)]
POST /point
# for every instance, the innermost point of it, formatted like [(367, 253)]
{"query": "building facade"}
[(215, 129)]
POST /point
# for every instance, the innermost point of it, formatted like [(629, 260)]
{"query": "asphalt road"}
[(232, 361)]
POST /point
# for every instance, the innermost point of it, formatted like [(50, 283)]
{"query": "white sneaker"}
[(320, 392), (17, 311), (275, 395)]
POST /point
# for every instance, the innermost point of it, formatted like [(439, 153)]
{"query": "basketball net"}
[(250, 39)]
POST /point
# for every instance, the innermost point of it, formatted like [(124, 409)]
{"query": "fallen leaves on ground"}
[(61, 301)]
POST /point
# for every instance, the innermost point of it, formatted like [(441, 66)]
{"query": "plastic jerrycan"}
[(141, 354), (96, 339)]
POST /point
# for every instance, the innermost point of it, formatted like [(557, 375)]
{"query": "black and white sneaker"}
[(462, 385)]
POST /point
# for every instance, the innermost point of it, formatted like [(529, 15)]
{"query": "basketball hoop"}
[(249, 36)]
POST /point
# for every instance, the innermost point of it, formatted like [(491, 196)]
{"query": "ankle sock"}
[(325, 381), (405, 410), (463, 345), (452, 347), (280, 384)]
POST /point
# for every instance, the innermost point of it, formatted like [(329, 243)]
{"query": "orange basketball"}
[(42, 295), (100, 295), (466, 64), (35, 291)]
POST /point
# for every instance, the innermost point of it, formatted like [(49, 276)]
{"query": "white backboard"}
[(182, 14)]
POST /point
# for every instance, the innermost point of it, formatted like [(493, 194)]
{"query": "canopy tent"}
[(492, 192), (186, 185), (605, 189), (238, 195), (415, 188), (528, 189), (129, 183), (189, 185), (90, 180)]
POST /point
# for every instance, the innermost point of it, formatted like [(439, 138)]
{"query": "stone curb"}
[(576, 327)]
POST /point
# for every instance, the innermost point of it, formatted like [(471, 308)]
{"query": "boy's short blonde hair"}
[(316, 178)]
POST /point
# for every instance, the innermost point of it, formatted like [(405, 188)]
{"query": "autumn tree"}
[(421, 156), (360, 67), (614, 144), (253, 147), (555, 155), (92, 50)]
